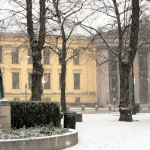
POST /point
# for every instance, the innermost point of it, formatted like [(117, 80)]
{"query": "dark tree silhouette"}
[(36, 44)]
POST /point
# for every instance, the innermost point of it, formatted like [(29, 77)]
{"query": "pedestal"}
[(5, 114)]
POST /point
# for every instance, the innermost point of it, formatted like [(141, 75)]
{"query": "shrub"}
[(30, 114)]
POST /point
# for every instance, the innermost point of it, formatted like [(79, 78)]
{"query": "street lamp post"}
[(26, 91), (114, 103), (1, 86)]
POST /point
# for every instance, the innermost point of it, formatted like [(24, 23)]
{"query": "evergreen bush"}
[(31, 114)]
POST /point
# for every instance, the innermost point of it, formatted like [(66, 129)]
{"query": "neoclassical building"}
[(16, 66), (87, 82)]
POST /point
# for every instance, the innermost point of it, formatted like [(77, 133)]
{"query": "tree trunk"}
[(36, 46), (125, 107), (63, 86), (62, 58), (37, 72)]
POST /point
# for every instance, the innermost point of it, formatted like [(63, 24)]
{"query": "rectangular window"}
[(15, 55), (1, 54), (113, 88), (46, 80), (16, 99), (48, 99), (113, 62), (29, 56), (76, 81), (29, 81), (143, 88), (15, 80), (77, 99), (76, 57), (143, 57), (46, 54), (114, 84)]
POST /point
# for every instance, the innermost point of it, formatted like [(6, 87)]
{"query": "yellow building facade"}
[(16, 67)]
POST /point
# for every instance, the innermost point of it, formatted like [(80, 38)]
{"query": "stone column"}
[(136, 81), (103, 81)]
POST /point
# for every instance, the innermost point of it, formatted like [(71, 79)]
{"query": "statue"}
[(1, 86)]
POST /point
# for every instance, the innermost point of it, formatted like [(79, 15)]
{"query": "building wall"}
[(105, 74), (86, 69), (103, 79)]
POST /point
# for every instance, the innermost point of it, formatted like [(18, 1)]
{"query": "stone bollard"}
[(109, 107), (82, 108), (96, 107), (67, 108), (5, 114)]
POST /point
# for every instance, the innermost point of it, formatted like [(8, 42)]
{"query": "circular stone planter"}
[(55, 142)]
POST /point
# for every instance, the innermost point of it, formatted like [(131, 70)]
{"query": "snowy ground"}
[(105, 132)]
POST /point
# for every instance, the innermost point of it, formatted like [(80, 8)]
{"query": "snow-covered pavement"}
[(105, 132)]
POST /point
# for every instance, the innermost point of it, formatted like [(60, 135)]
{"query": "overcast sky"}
[(97, 20)]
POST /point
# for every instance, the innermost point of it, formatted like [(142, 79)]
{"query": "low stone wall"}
[(56, 142)]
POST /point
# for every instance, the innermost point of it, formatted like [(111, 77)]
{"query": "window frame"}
[(29, 80), (46, 56), (77, 83), (30, 61), (76, 58), (15, 55), (15, 80), (47, 85)]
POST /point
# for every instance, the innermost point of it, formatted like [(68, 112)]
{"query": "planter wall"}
[(56, 142)]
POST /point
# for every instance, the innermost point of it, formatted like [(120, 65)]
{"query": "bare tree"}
[(64, 15), (125, 63), (36, 44), (125, 29), (61, 23)]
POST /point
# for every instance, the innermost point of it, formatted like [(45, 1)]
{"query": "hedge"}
[(30, 114)]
